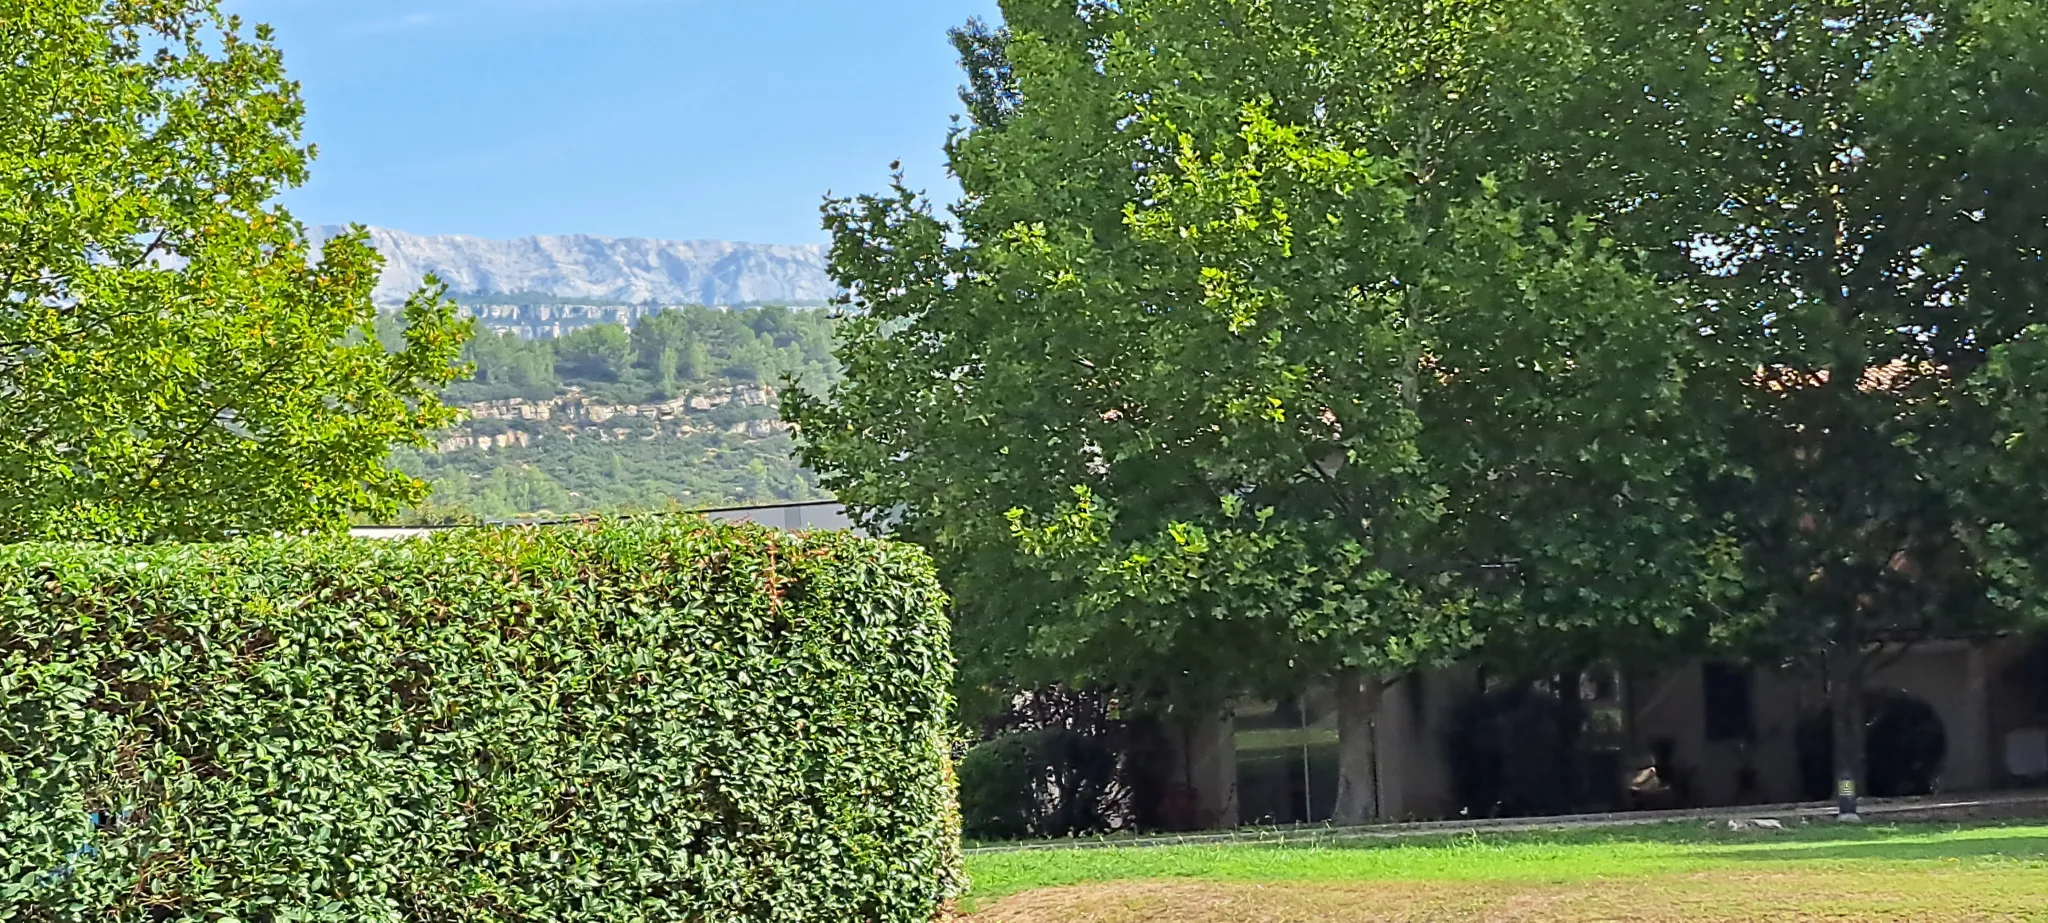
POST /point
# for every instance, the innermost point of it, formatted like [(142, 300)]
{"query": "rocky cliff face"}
[(574, 408), (637, 270), (546, 321), (503, 424)]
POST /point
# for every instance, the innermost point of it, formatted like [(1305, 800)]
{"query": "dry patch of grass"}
[(1662, 876), (1689, 899)]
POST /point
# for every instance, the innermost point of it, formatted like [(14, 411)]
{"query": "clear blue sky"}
[(725, 119)]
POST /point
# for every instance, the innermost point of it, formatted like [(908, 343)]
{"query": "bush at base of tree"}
[(1040, 783), (674, 722)]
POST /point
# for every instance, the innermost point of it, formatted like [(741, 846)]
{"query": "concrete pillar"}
[(1399, 749), (1970, 748)]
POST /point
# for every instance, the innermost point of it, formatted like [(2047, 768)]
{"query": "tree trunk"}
[(1358, 704), (1209, 755), (1845, 704)]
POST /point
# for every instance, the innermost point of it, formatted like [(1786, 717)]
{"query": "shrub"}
[(1040, 783), (634, 723)]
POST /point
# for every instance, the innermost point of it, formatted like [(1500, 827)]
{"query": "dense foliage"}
[(1849, 193), (641, 723), (563, 477), (665, 354), (171, 366), (1285, 339), (1218, 385)]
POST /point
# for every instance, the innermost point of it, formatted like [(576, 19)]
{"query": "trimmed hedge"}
[(671, 722)]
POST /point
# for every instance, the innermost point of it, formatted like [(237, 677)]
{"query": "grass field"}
[(1673, 873)]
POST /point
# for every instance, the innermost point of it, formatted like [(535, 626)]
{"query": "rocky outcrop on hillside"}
[(507, 423), (547, 321), (573, 407)]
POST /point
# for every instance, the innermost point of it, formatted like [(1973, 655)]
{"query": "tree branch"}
[(150, 250), (191, 436)]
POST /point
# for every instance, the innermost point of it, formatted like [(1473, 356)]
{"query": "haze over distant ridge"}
[(630, 269)]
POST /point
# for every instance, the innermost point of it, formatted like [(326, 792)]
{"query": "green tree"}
[(658, 333), (749, 361), (1849, 190), (524, 489), (667, 370), (171, 364), (1259, 371), (694, 362), (990, 93), (508, 366), (601, 352), (774, 323)]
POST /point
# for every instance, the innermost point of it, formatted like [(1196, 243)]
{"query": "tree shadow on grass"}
[(1676, 833), (1814, 842), (1904, 847)]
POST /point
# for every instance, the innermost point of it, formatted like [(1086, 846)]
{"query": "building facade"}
[(1955, 717)]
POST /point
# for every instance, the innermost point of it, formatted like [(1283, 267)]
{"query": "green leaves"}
[(1272, 292), (172, 362), (675, 722), (1857, 182)]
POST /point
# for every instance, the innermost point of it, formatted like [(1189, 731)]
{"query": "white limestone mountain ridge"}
[(616, 269)]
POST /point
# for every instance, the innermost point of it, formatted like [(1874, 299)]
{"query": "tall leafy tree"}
[(172, 364), (1849, 191), (513, 365), (664, 331), (603, 352), (1249, 351)]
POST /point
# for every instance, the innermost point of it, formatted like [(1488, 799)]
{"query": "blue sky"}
[(726, 119)]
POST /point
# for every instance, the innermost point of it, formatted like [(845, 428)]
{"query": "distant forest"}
[(673, 353), (665, 354)]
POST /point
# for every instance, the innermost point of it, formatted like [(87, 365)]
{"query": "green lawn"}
[(1679, 872)]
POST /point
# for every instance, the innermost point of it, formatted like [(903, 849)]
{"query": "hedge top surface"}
[(678, 533)]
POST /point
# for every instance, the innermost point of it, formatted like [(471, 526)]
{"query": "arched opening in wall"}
[(1905, 747)]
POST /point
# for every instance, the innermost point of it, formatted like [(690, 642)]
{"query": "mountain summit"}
[(627, 269)]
